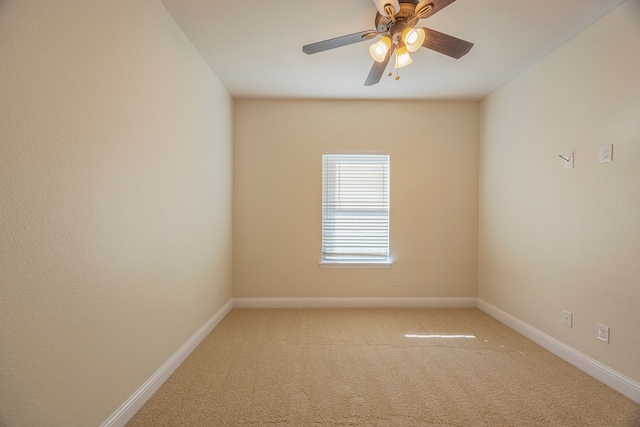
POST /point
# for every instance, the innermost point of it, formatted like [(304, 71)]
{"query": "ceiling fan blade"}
[(338, 42), (378, 68), (424, 9), (446, 44)]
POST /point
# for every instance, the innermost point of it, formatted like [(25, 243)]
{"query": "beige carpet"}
[(357, 367)]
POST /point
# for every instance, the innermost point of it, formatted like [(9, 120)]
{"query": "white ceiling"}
[(255, 46)]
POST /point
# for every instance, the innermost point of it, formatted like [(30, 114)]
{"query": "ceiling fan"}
[(395, 21)]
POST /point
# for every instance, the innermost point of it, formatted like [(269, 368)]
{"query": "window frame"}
[(351, 263)]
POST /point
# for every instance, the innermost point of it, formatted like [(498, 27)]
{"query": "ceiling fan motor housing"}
[(423, 8), (382, 6), (405, 17)]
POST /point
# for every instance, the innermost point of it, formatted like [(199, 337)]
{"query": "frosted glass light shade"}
[(413, 38), (379, 49), (402, 57)]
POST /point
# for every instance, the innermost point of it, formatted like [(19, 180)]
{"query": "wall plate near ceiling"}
[(568, 160)]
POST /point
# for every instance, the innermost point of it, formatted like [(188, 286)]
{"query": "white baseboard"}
[(454, 302), (622, 384), (129, 408)]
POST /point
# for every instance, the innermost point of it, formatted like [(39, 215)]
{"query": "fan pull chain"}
[(397, 69)]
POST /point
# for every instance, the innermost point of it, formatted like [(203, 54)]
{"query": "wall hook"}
[(568, 161)]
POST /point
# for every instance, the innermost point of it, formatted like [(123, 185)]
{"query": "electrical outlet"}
[(567, 318), (398, 281), (602, 332), (606, 153), (220, 287)]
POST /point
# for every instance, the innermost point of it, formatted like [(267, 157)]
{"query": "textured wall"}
[(115, 203), (554, 239), (277, 196)]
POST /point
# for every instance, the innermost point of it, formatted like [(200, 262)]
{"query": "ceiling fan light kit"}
[(402, 56), (395, 21), (413, 38), (379, 49)]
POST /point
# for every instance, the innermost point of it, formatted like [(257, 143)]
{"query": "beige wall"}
[(115, 203), (115, 199), (277, 196), (554, 239)]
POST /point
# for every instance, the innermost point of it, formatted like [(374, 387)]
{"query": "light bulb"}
[(402, 57), (413, 38), (379, 49)]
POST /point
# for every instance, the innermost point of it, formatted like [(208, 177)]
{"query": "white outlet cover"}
[(567, 318), (606, 153), (602, 332)]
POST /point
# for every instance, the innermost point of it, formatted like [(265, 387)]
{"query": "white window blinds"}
[(355, 208)]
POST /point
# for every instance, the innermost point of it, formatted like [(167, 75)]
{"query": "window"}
[(355, 208)]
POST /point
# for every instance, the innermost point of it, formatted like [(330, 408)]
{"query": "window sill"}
[(334, 264)]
